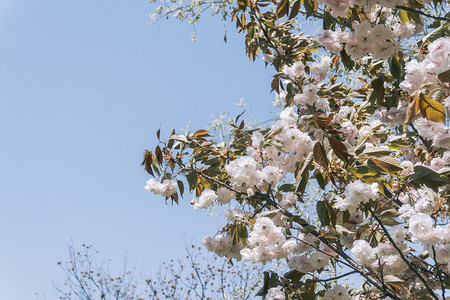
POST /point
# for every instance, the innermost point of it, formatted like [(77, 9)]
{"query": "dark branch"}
[(422, 13), (408, 263)]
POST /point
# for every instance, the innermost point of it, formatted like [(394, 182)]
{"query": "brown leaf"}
[(444, 76), (377, 151), (321, 119), (339, 148), (275, 85), (158, 133), (320, 156), (174, 198), (335, 63), (158, 154), (201, 132), (180, 187), (387, 163), (272, 134), (412, 110), (329, 119), (147, 162)]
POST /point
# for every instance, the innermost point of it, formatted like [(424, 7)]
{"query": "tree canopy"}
[(362, 141)]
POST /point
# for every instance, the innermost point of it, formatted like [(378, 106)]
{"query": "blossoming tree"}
[(365, 120)]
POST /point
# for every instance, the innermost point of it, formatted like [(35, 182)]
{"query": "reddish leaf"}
[(158, 154), (339, 148), (320, 156), (329, 120)]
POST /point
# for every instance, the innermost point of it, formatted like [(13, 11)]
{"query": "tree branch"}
[(333, 278), (439, 273), (422, 13), (342, 254), (410, 266)]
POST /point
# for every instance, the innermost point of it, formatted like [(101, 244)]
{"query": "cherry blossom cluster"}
[(223, 245), (356, 193), (384, 254), (166, 188), (425, 71), (362, 148), (367, 36)]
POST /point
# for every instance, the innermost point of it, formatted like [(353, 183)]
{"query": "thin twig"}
[(340, 252), (439, 273), (332, 278), (410, 266), (422, 13), (426, 143)]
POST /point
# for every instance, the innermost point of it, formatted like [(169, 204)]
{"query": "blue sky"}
[(84, 86)]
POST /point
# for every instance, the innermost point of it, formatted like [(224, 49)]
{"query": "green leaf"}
[(309, 296), (446, 282), (387, 163), (443, 30), (191, 177), (396, 66), (295, 9), (444, 76), (310, 7), (390, 221), (328, 20), (287, 187), (320, 180), (341, 229), (304, 174), (239, 233), (322, 213), (213, 171), (389, 213), (346, 60), (270, 281), (412, 15), (283, 8), (242, 4), (294, 275), (332, 214), (366, 171), (376, 151), (269, 23), (403, 16), (392, 279), (180, 187), (428, 177), (179, 137), (214, 161), (378, 88)]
